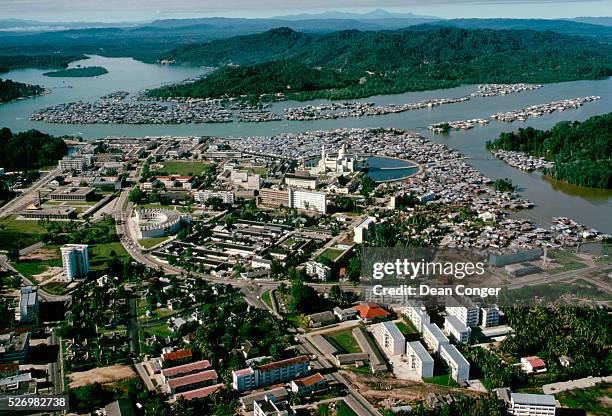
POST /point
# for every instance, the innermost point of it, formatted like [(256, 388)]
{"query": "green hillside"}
[(377, 62), (582, 151)]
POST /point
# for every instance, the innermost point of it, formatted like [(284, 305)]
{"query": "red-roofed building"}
[(177, 357), (533, 365), (199, 394), (369, 312), (184, 370), (309, 384), (191, 382)]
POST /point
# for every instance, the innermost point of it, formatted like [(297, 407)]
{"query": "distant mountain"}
[(565, 27), (374, 14), (148, 41), (603, 20), (20, 25)]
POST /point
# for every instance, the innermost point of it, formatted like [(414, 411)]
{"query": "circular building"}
[(157, 222)]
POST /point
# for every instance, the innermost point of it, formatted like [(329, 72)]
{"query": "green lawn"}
[(591, 399), (31, 268), (331, 253), (256, 170), (56, 288), (345, 340), (101, 254), (267, 298), (19, 233), (406, 327), (567, 261), (442, 380), (160, 330), (175, 167), (341, 409), (151, 242)]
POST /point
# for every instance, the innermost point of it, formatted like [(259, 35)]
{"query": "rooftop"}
[(533, 399), (371, 311), (283, 363), (199, 393), (177, 355), (193, 379), (309, 380), (186, 368)]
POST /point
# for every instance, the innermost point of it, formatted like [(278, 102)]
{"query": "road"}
[(57, 368), (48, 297), (28, 196), (356, 401)]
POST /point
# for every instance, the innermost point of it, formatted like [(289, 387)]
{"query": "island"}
[(11, 90), (80, 72), (576, 152)]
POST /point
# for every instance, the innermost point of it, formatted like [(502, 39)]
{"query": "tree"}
[(353, 269), (504, 185), (335, 293), (13, 254), (136, 195)]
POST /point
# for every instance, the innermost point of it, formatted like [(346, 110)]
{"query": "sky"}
[(143, 10)]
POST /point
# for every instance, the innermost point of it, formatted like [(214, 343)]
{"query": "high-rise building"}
[(489, 316), (364, 229), (28, 303), (419, 359), (464, 309), (308, 200), (75, 259)]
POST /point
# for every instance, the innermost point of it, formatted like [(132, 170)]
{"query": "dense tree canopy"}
[(29, 150), (582, 151), (10, 90), (349, 64)]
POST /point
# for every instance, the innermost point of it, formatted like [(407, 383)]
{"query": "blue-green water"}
[(382, 169)]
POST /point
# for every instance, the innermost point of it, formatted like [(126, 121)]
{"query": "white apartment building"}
[(271, 373), (433, 337), (308, 200), (75, 260), (417, 315), (202, 196), (363, 229), (454, 328), (419, 359), (489, 316), (78, 163), (302, 181), (390, 339), (532, 405), (464, 309), (458, 365), (318, 270)]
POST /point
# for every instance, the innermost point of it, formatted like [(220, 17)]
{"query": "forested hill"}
[(582, 152), (386, 49), (565, 27), (11, 90), (378, 62), (29, 149)]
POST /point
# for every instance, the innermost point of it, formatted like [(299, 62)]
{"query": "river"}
[(552, 198)]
